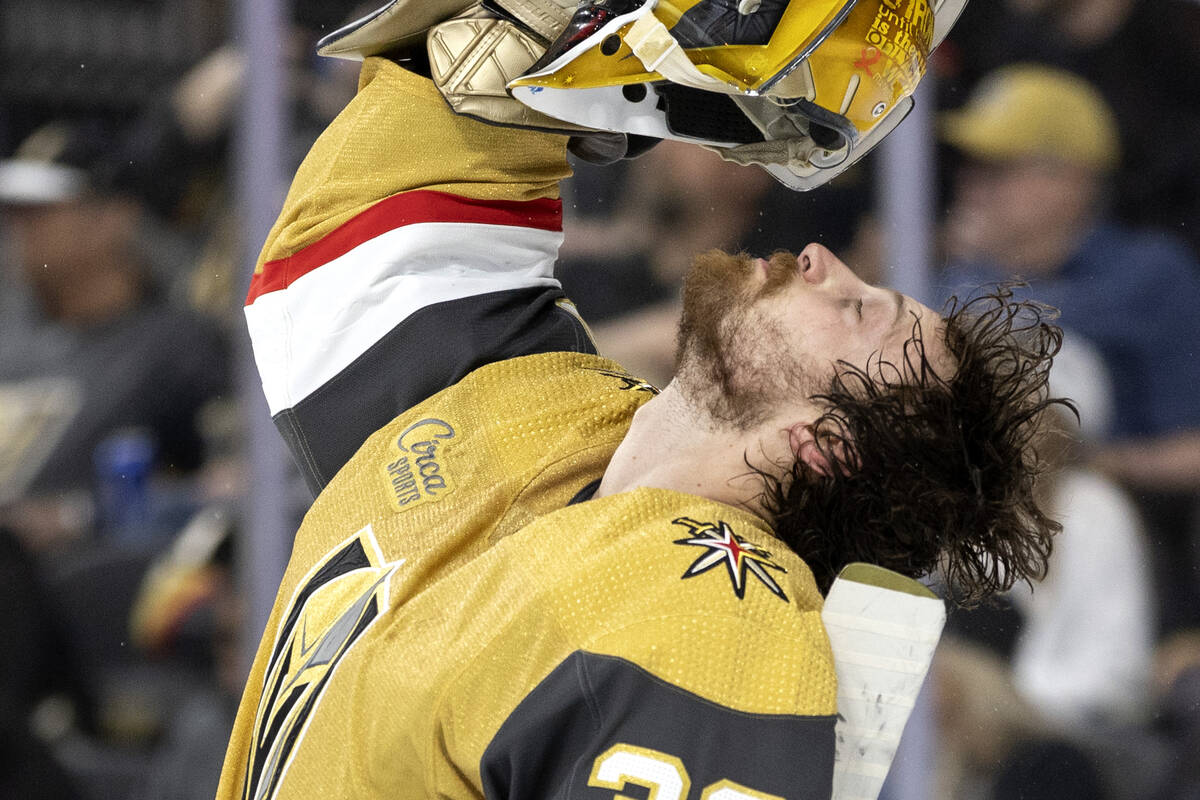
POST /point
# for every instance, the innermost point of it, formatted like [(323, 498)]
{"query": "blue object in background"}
[(123, 465)]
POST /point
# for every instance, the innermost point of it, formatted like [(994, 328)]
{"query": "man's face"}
[(1007, 211), (52, 241), (56, 241), (762, 336)]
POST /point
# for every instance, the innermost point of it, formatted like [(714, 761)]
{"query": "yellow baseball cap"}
[(1029, 110)]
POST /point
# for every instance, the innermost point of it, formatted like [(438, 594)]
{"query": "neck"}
[(672, 444)]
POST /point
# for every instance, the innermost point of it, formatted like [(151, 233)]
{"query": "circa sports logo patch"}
[(737, 554), (419, 473)]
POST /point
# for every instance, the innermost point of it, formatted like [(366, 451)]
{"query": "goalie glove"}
[(474, 50)]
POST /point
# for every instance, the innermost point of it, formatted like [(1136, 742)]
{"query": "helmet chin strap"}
[(659, 52), (797, 152), (789, 153), (793, 158)]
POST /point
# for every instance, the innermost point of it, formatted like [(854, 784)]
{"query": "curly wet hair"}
[(929, 471)]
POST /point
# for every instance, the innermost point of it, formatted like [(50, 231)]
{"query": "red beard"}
[(718, 360)]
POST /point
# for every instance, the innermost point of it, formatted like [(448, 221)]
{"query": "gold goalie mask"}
[(803, 88)]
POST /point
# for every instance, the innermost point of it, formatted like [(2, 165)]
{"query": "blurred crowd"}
[(1068, 159)]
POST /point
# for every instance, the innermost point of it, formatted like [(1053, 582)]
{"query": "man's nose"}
[(816, 263)]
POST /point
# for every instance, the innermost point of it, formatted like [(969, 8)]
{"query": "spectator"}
[(1129, 50), (185, 617), (995, 744), (35, 664), (1031, 203), (92, 336), (1063, 669), (1085, 649), (1177, 679)]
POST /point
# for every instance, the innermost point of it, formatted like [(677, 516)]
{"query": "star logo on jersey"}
[(737, 554)]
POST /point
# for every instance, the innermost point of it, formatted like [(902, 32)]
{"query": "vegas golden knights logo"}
[(333, 606)]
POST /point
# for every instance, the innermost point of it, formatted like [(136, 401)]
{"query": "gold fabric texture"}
[(397, 135), (484, 579)]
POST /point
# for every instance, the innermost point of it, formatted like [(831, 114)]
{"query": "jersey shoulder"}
[(698, 593), (661, 636)]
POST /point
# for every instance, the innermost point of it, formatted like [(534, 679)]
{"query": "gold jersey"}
[(457, 619), (452, 625)]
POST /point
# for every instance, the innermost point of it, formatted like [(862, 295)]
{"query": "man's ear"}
[(804, 445)]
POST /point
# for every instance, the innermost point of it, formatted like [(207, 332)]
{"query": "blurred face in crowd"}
[(1020, 214), (758, 335), (1083, 22), (55, 241)]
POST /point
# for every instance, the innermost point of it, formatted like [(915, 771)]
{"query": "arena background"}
[(139, 561)]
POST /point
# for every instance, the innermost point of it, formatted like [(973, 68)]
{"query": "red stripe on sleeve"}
[(397, 211)]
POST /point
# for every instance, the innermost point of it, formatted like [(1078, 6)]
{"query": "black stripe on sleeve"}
[(430, 350), (593, 708)]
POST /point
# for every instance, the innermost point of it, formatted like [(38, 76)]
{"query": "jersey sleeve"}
[(600, 725), (414, 246)]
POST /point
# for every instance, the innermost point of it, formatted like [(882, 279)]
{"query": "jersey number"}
[(664, 775)]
